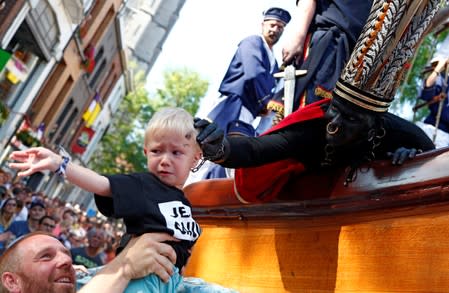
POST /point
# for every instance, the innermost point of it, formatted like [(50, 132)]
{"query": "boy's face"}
[(170, 157)]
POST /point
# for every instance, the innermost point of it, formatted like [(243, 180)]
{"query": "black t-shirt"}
[(148, 205)]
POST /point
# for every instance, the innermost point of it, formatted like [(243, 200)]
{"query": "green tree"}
[(121, 150), (182, 88)]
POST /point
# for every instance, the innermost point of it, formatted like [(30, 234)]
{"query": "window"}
[(97, 74), (67, 109), (46, 26)]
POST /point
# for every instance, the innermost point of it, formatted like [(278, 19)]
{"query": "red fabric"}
[(263, 183)]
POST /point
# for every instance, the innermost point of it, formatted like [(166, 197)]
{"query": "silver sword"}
[(289, 74)]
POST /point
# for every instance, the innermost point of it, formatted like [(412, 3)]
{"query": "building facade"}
[(64, 68)]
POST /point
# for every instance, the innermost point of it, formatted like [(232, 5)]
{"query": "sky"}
[(206, 35)]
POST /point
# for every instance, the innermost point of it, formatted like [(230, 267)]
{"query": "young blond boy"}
[(152, 201)]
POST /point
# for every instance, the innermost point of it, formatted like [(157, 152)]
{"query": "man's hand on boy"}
[(148, 254)]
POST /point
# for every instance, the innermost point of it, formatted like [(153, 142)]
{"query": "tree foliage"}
[(121, 148), (182, 88)]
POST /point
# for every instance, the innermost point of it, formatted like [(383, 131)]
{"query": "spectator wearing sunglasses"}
[(47, 224)]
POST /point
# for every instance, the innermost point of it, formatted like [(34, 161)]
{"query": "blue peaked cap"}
[(277, 14)]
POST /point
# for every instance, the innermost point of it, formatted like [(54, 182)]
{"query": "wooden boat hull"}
[(400, 254), (387, 232)]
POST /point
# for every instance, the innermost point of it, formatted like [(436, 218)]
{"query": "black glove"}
[(211, 139), (402, 154)]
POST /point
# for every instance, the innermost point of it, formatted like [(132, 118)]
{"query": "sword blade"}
[(289, 89)]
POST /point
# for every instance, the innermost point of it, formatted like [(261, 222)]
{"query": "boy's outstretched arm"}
[(38, 159)]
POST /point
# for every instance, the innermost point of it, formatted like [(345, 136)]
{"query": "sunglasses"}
[(48, 225)]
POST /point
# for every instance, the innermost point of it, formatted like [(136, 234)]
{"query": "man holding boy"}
[(151, 201), (39, 263)]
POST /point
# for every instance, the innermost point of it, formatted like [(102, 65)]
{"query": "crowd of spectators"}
[(91, 240)]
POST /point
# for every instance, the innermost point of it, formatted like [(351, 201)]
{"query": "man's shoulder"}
[(253, 39), (19, 228)]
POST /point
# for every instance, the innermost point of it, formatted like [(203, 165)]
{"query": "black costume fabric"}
[(333, 33), (299, 146), (148, 205), (305, 142)]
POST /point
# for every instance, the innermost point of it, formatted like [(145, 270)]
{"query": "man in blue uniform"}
[(434, 93), (248, 84)]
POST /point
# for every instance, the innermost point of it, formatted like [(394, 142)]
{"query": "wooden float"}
[(386, 232)]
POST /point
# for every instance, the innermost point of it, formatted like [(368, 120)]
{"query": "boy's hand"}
[(211, 139), (34, 160)]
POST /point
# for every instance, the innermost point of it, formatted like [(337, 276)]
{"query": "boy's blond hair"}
[(175, 120)]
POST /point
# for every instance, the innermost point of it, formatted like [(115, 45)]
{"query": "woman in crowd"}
[(7, 214)]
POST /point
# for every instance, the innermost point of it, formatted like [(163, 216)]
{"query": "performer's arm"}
[(431, 88), (300, 141), (304, 13), (431, 91), (402, 133), (432, 78)]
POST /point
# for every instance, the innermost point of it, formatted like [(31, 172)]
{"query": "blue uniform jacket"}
[(249, 75), (427, 94)]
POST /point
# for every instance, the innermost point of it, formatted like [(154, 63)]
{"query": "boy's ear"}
[(145, 151), (197, 158)]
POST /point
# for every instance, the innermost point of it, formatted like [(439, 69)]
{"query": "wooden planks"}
[(399, 253), (386, 232)]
